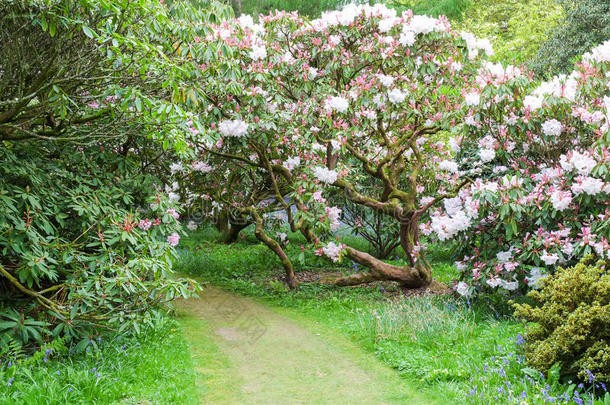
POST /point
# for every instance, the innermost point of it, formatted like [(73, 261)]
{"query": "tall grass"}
[(155, 368)]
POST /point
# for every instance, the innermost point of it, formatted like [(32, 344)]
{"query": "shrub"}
[(92, 94), (537, 154), (571, 322)]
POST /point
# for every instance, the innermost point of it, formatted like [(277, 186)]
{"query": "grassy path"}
[(247, 353)]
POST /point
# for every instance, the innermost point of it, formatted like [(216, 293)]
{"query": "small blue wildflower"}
[(58, 372), (10, 381), (577, 400), (591, 376), (70, 389), (97, 375), (45, 359), (519, 339)]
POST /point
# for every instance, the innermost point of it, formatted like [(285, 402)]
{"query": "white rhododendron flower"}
[(385, 80), (176, 167), (561, 200), (446, 226), (422, 24), (487, 155), (510, 285), (387, 24), (472, 99), (338, 104), (587, 185), (191, 225), (549, 259), (552, 128), (292, 162), (201, 167), (532, 102), (448, 165), (583, 163), (503, 257), (535, 276), (333, 216), (332, 251), (396, 96), (258, 52), (463, 289), (407, 38), (325, 175), (233, 128)]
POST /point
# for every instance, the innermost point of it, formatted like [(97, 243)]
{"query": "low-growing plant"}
[(571, 323)]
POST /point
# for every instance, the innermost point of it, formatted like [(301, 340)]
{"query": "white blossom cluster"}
[(332, 251), (552, 127), (234, 128), (338, 104), (291, 163), (325, 175)]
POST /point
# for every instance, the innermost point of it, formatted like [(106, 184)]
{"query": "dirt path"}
[(247, 353)]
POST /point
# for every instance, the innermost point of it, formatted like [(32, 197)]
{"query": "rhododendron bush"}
[(92, 96), (357, 102), (539, 159)]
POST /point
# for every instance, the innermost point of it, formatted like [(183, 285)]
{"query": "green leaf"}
[(87, 31)]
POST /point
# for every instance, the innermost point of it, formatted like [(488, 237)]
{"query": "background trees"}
[(585, 25)]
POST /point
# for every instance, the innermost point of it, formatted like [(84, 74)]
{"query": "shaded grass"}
[(154, 368)]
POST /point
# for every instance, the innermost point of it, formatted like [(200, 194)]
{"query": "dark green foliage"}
[(586, 24), (571, 323), (73, 258), (87, 112)]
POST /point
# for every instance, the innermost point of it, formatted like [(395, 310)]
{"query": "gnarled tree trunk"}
[(416, 274), (275, 247), (410, 276), (229, 230)]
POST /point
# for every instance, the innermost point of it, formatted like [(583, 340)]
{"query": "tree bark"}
[(416, 276), (234, 230), (228, 229), (276, 248)]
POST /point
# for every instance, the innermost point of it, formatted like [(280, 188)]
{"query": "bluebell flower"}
[(10, 381), (591, 376)]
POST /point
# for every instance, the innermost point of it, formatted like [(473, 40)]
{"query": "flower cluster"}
[(541, 167)]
